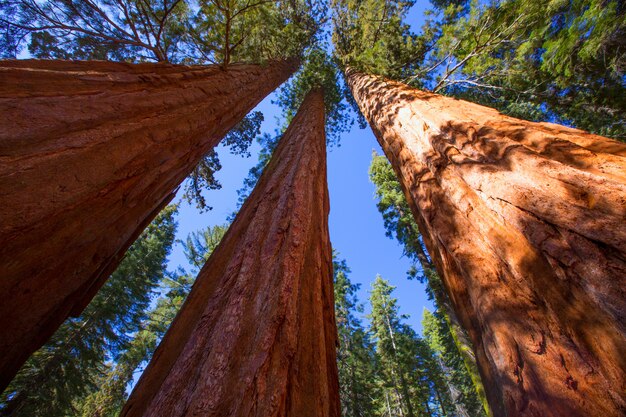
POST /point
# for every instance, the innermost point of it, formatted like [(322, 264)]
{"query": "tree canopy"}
[(556, 61)]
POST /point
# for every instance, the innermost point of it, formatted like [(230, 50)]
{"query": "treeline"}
[(385, 367), (86, 367)]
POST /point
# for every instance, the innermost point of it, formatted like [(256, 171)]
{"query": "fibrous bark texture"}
[(526, 224), (256, 335), (89, 154)]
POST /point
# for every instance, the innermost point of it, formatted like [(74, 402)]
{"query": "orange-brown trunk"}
[(89, 154), (526, 224), (257, 336)]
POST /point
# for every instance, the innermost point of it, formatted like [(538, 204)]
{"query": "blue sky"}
[(356, 226)]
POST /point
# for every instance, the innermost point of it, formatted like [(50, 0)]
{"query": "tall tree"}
[(68, 367), (461, 389), (518, 217), (399, 223), (356, 355), (402, 370), (90, 175), (317, 69), (256, 336), (111, 395)]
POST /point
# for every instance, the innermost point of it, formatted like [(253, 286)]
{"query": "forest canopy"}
[(480, 201)]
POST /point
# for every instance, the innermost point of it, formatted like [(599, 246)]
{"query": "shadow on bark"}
[(525, 224)]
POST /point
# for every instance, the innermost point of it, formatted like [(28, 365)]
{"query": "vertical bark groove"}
[(88, 153), (256, 335), (525, 223)]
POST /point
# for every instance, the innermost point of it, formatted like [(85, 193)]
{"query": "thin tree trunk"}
[(257, 336), (454, 392), (89, 154), (439, 400), (404, 385), (525, 224), (429, 413), (388, 405)]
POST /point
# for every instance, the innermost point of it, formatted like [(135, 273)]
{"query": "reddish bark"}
[(257, 336), (526, 224), (89, 154)]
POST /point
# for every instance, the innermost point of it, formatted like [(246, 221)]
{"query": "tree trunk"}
[(89, 153), (404, 386), (257, 335), (525, 223)]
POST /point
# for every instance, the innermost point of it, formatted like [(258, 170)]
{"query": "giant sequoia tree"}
[(256, 335), (524, 222), (94, 151)]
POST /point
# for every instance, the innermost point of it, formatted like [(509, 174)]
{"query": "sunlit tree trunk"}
[(89, 153), (526, 224), (257, 336)]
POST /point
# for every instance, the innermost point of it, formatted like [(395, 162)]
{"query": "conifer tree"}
[(257, 334), (404, 359), (533, 59), (356, 355), (499, 197), (68, 367), (111, 394), (477, 182), (456, 380)]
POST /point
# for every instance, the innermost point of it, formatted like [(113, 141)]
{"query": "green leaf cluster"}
[(372, 36), (202, 178), (560, 61), (462, 391), (178, 31), (385, 368)]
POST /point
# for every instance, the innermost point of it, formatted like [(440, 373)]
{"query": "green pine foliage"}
[(372, 36), (461, 389), (68, 367), (397, 217), (407, 370), (111, 395), (385, 368), (181, 31), (556, 60), (238, 139), (357, 360)]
